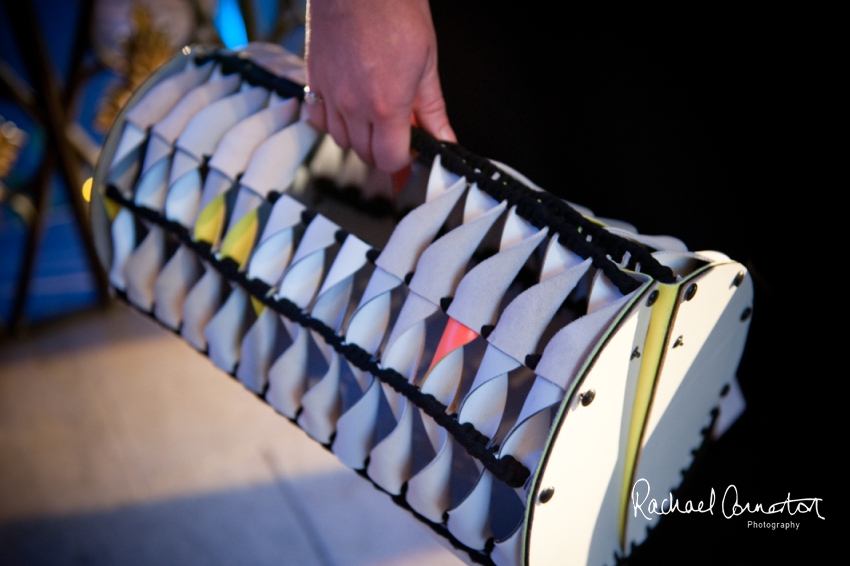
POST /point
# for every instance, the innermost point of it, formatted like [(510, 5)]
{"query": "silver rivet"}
[(652, 298)]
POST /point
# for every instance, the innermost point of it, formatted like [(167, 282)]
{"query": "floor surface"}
[(119, 444)]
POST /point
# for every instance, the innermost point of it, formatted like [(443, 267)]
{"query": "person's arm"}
[(374, 64)]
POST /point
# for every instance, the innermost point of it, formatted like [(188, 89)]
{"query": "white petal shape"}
[(440, 180), (152, 187), (179, 275), (274, 163), (417, 230), (469, 522), (225, 331), (143, 267), (507, 552), (390, 461), (233, 153), (483, 407), (123, 232), (201, 304), (429, 491), (160, 99), (322, 404), (355, 429), (202, 133), (288, 375), (258, 351)]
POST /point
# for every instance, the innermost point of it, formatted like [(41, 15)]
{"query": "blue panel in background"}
[(13, 240), (58, 23), (267, 13), (61, 280)]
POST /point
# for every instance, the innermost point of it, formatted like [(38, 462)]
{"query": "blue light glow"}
[(230, 24)]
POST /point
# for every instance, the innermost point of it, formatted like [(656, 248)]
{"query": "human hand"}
[(373, 63)]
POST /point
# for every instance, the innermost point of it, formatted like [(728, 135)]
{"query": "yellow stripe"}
[(210, 221), (656, 337), (258, 306), (112, 208), (239, 241)]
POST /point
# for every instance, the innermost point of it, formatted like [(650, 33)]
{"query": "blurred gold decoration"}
[(12, 139), (87, 189), (145, 49)]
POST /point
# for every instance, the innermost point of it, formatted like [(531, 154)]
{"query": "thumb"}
[(429, 107)]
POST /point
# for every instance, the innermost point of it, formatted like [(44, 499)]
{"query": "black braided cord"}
[(507, 468), (579, 234), (252, 73)]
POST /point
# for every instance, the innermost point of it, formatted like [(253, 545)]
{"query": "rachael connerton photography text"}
[(730, 505)]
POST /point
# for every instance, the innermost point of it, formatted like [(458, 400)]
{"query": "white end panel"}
[(580, 523), (704, 346)]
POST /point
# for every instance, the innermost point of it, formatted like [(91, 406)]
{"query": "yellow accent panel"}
[(210, 221), (656, 337), (239, 241), (258, 306), (112, 208)]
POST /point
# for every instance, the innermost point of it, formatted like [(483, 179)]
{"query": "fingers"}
[(391, 142), (360, 136), (352, 131), (381, 141), (374, 62), (429, 107), (316, 115), (337, 126)]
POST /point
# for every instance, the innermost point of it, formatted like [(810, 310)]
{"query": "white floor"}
[(119, 444)]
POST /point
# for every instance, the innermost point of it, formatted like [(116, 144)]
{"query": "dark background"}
[(712, 127)]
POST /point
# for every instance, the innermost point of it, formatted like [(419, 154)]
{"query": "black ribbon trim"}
[(507, 468)]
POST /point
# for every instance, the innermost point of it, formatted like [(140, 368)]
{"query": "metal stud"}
[(746, 314), (738, 279), (691, 291), (650, 300), (635, 354), (587, 397), (679, 342), (547, 494)]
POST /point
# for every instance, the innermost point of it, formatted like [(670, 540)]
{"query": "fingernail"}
[(447, 134)]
